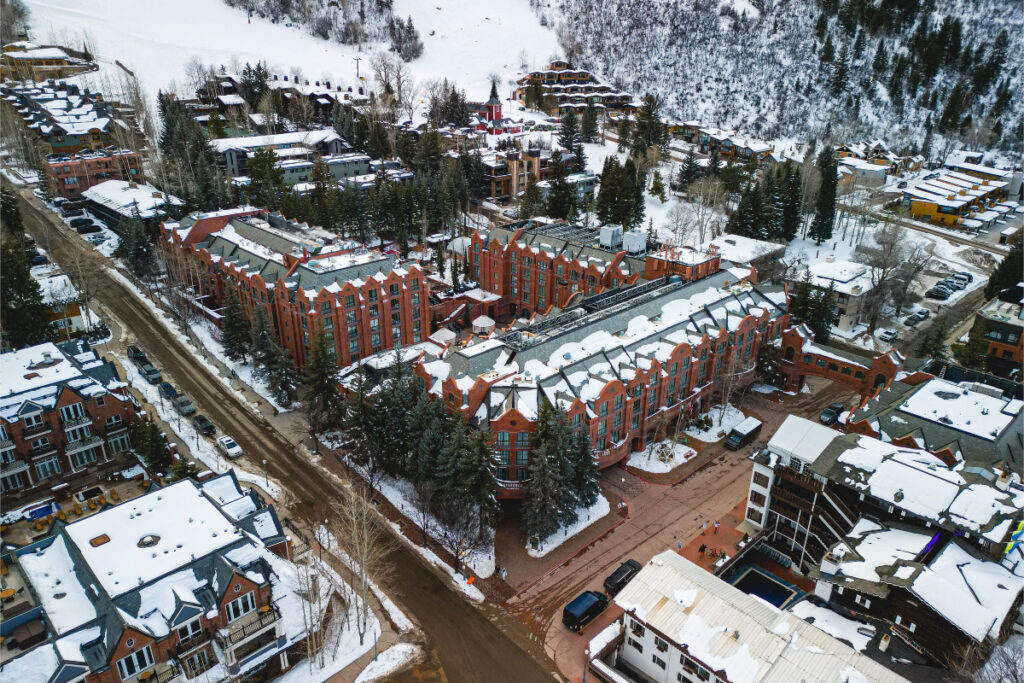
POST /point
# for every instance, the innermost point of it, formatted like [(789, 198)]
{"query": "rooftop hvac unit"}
[(611, 236), (634, 241)]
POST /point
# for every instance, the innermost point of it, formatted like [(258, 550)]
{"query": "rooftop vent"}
[(148, 541)]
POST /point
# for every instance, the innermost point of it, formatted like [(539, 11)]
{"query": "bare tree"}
[(84, 267), (730, 381), (524, 59), (810, 181), (424, 493), (269, 113), (384, 66), (894, 262), (182, 282), (678, 223), (404, 90), (300, 110), (708, 199), (460, 533), (982, 663), (358, 529)]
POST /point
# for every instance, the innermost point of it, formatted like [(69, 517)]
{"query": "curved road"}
[(466, 641)]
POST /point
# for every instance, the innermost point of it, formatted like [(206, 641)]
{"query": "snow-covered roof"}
[(307, 138), (731, 631), (846, 277), (185, 522), (740, 249), (799, 438), (129, 198), (962, 409)]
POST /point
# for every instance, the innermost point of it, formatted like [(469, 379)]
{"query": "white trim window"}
[(135, 663), (239, 607)]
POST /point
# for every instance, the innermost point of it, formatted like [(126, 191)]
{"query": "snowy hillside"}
[(732, 64), (470, 39)]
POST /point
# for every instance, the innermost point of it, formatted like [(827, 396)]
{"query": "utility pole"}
[(357, 60)]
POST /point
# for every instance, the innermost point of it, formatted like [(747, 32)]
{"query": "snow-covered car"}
[(228, 445), (888, 335)]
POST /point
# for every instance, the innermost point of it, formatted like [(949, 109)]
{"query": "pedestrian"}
[(701, 549), (716, 527), (703, 528)]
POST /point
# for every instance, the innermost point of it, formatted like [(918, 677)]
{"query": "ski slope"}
[(471, 40)]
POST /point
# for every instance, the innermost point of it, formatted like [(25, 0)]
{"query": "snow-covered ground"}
[(721, 424), (661, 457), (470, 41), (389, 661), (834, 624), (202, 449), (587, 516)]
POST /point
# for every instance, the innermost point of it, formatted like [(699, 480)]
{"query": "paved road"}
[(659, 518), (467, 642)]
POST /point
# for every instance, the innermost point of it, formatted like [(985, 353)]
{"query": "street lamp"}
[(265, 477), (622, 490)]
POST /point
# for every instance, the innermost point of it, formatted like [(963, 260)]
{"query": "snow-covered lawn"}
[(587, 516), (721, 424), (661, 457), (834, 624), (389, 661), (455, 34), (202, 449), (209, 336)]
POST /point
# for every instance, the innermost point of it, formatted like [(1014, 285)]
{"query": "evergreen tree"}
[(650, 129), (448, 472), (266, 180), (1008, 272), (215, 127), (840, 72), (926, 146), (828, 53), (881, 61), (630, 200), (625, 133), (792, 194), (532, 201), (540, 515), (588, 125), (689, 171), (745, 220), (476, 481), (586, 477), (825, 205), (322, 398), (25, 318), (771, 212), (429, 422), (561, 201), (236, 336), (263, 347), (823, 313), (607, 191), (953, 111), (282, 378), (769, 367), (658, 187), (933, 345), (972, 353)]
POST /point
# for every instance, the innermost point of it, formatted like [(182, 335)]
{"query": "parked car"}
[(228, 446), (71, 213), (37, 260), (167, 390), (937, 293), (953, 283), (924, 313), (618, 579), (913, 319), (830, 415), (79, 222), (88, 229), (183, 405), (97, 240), (965, 274), (889, 336), (204, 425), (583, 609), (151, 373)]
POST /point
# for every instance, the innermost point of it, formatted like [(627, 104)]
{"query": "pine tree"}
[(658, 187), (1008, 272), (476, 481), (586, 481), (532, 201), (448, 474), (263, 347), (881, 61), (429, 422), (216, 126), (607, 191), (322, 398), (282, 378), (825, 205), (266, 180), (828, 53), (26, 319), (569, 131), (822, 313), (933, 345), (689, 171), (792, 194), (588, 126), (236, 336), (561, 201), (543, 491), (840, 71)]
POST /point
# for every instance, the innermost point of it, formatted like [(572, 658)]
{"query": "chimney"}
[(47, 357), (318, 84), (285, 78)]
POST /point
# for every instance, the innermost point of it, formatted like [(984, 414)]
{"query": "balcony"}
[(6, 444), (36, 430), (48, 449), (799, 478), (9, 468), (248, 626), (510, 485), (192, 643), (161, 673), (117, 428), (73, 422), (82, 444)]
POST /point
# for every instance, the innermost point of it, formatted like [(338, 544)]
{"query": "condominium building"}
[(69, 175), (64, 417), (305, 277)]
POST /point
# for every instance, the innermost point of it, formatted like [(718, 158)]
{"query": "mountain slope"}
[(758, 65)]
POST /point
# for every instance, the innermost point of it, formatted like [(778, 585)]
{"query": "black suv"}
[(618, 579), (830, 415), (204, 425)]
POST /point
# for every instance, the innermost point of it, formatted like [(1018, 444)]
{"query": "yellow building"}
[(954, 198)]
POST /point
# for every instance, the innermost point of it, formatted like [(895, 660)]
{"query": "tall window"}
[(135, 663), (239, 607)]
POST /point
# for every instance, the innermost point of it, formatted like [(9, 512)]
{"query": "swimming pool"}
[(756, 581)]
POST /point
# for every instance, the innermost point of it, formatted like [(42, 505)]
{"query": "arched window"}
[(790, 352)]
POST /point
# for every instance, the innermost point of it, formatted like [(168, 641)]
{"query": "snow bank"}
[(721, 424), (390, 661), (661, 457), (587, 516), (470, 591)]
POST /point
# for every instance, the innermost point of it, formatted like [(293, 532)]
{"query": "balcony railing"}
[(38, 429), (510, 485), (110, 429), (242, 632), (82, 444), (72, 422), (40, 451), (5, 444), (156, 676), (193, 642)]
